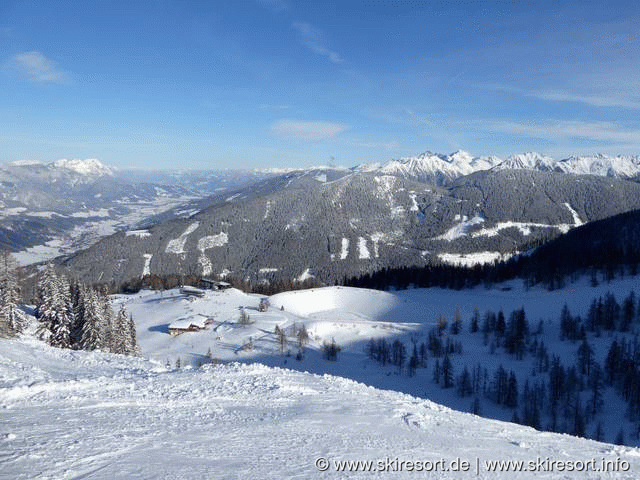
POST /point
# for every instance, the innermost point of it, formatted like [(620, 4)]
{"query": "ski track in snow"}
[(345, 249), (70, 414), (177, 244), (461, 229), (146, 270), (205, 243), (363, 251), (524, 227), (100, 416), (472, 259), (576, 219)]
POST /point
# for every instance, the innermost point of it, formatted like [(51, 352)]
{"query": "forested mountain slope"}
[(330, 224)]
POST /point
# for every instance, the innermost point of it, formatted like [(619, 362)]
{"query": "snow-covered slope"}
[(603, 165), (433, 167), (442, 168), (528, 161), (89, 166), (66, 414), (297, 225)]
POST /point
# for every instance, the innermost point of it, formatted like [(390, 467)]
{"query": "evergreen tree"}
[(578, 419), (437, 372), (447, 372), (475, 321), (569, 326), (598, 435), (53, 309), (78, 292), (441, 325), (47, 285), (92, 330), (132, 341), (613, 362), (500, 384), (108, 324), (596, 386), (501, 325), (331, 350), (476, 406), (511, 395), (628, 312), (585, 357), (398, 354), (456, 326), (244, 318), (61, 337), (12, 319), (120, 335), (465, 385), (611, 312), (414, 361)]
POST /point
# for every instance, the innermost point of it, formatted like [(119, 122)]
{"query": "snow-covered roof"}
[(187, 290), (184, 323)]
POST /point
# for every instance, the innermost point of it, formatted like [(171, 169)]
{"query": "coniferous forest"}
[(69, 314), (543, 387)]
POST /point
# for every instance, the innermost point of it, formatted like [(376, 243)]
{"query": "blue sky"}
[(259, 83)]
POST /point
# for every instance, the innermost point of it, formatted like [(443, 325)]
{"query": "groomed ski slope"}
[(72, 415), (353, 316)]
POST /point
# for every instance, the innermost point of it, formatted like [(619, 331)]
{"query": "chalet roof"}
[(188, 290), (185, 323)]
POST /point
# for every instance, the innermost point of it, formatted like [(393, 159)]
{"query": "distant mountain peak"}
[(442, 168), (89, 166)]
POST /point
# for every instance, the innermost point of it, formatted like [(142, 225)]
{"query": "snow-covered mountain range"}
[(57, 208), (442, 168)]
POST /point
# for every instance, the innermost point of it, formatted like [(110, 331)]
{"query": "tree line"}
[(74, 315), (69, 314)]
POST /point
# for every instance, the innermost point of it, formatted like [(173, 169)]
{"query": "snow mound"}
[(370, 303)]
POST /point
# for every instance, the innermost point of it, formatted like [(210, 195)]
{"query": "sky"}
[(285, 83)]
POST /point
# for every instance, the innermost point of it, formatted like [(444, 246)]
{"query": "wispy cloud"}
[(560, 130), (273, 107), (389, 146), (304, 130), (594, 100), (37, 68), (313, 39)]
